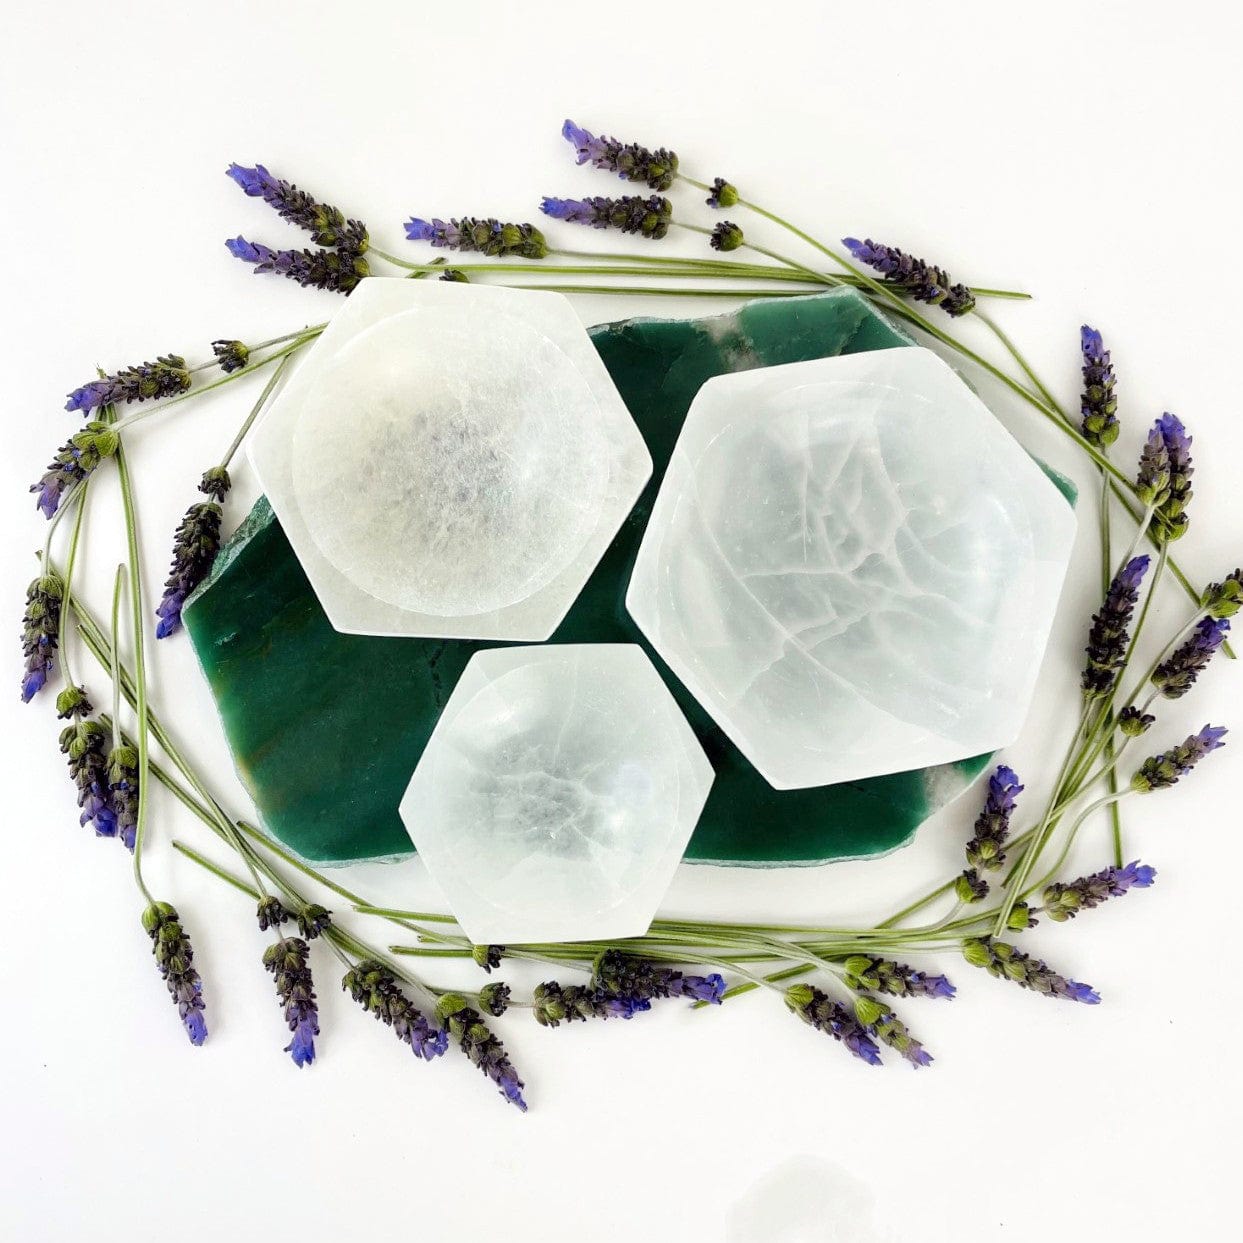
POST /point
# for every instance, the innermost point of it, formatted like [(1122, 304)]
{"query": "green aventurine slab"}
[(326, 728)]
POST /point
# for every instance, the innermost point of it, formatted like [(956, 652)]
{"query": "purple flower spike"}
[(1098, 404), (1065, 901), (883, 975), (1109, 636), (166, 377), (170, 943), (326, 224), (630, 161), (195, 545), (375, 988), (820, 1011), (1005, 962), (338, 270), (1177, 674), (249, 252), (1162, 771), (40, 632), (490, 237), (256, 182), (922, 281), (289, 962), (481, 1047), (649, 217)]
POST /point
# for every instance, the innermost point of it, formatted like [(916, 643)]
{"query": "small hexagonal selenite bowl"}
[(557, 794), (852, 566), (450, 460)]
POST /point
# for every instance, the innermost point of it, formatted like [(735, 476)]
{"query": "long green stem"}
[(257, 408)]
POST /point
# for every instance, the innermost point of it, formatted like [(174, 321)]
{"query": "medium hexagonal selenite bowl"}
[(557, 794), (852, 566), (450, 460)]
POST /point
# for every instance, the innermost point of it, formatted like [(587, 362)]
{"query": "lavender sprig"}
[(630, 161), (1172, 511), (553, 1004), (992, 827), (475, 1039), (1159, 772), (40, 632), (834, 1019), (339, 271), (1003, 961), (488, 237), (649, 217), (726, 236), (74, 462), (1098, 405), (1177, 674), (882, 975), (313, 920), (83, 744), (123, 792), (889, 1030), (326, 224), (170, 943), (722, 194), (922, 281), (1063, 901), (195, 545), (231, 355), (288, 961), (375, 988), (622, 975), (166, 377), (1109, 635)]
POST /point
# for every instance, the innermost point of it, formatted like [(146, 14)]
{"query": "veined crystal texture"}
[(450, 460), (852, 566), (557, 794)]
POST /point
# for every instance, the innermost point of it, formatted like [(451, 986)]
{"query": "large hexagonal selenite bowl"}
[(557, 794), (852, 566), (450, 460)]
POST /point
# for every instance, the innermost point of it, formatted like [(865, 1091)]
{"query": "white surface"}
[(1076, 150), (853, 566), (557, 793), (450, 460)]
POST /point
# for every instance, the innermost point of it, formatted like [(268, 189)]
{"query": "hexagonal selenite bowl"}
[(852, 566), (450, 460), (557, 794)]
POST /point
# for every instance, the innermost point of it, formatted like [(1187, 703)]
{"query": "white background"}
[(1084, 151)]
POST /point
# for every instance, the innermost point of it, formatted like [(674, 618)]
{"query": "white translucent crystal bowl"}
[(450, 460), (556, 794), (853, 567)]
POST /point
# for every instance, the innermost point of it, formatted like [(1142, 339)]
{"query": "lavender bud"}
[(166, 377), (123, 792), (231, 355), (649, 216), (73, 464), (1065, 901), (630, 161), (170, 943), (970, 887), (195, 545), (72, 704), (271, 913), (494, 999), (1132, 722), (83, 744), (886, 1027), (288, 961), (375, 988), (882, 975), (1225, 598), (336, 270), (484, 1050), (40, 632), (831, 1017), (488, 237), (1098, 404), (723, 194), (726, 236), (1005, 962), (487, 956), (1176, 675), (922, 281), (312, 920), (992, 826), (1109, 636), (1162, 771), (326, 224)]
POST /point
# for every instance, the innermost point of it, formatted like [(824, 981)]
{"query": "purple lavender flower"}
[(1098, 405), (83, 744), (553, 1004), (622, 975), (484, 1050), (271, 913), (883, 975), (889, 1030), (40, 632), (722, 194), (123, 792), (630, 161), (313, 920), (1164, 479), (649, 216), (166, 377), (231, 355), (923, 281), (288, 961), (1109, 636), (195, 545), (1005, 962), (375, 988), (74, 462), (326, 224), (1176, 675), (1159, 772), (1224, 599), (992, 826), (489, 237), (339, 271), (726, 236), (834, 1019), (1065, 901), (170, 943)]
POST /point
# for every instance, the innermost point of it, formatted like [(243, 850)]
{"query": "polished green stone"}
[(326, 728)]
